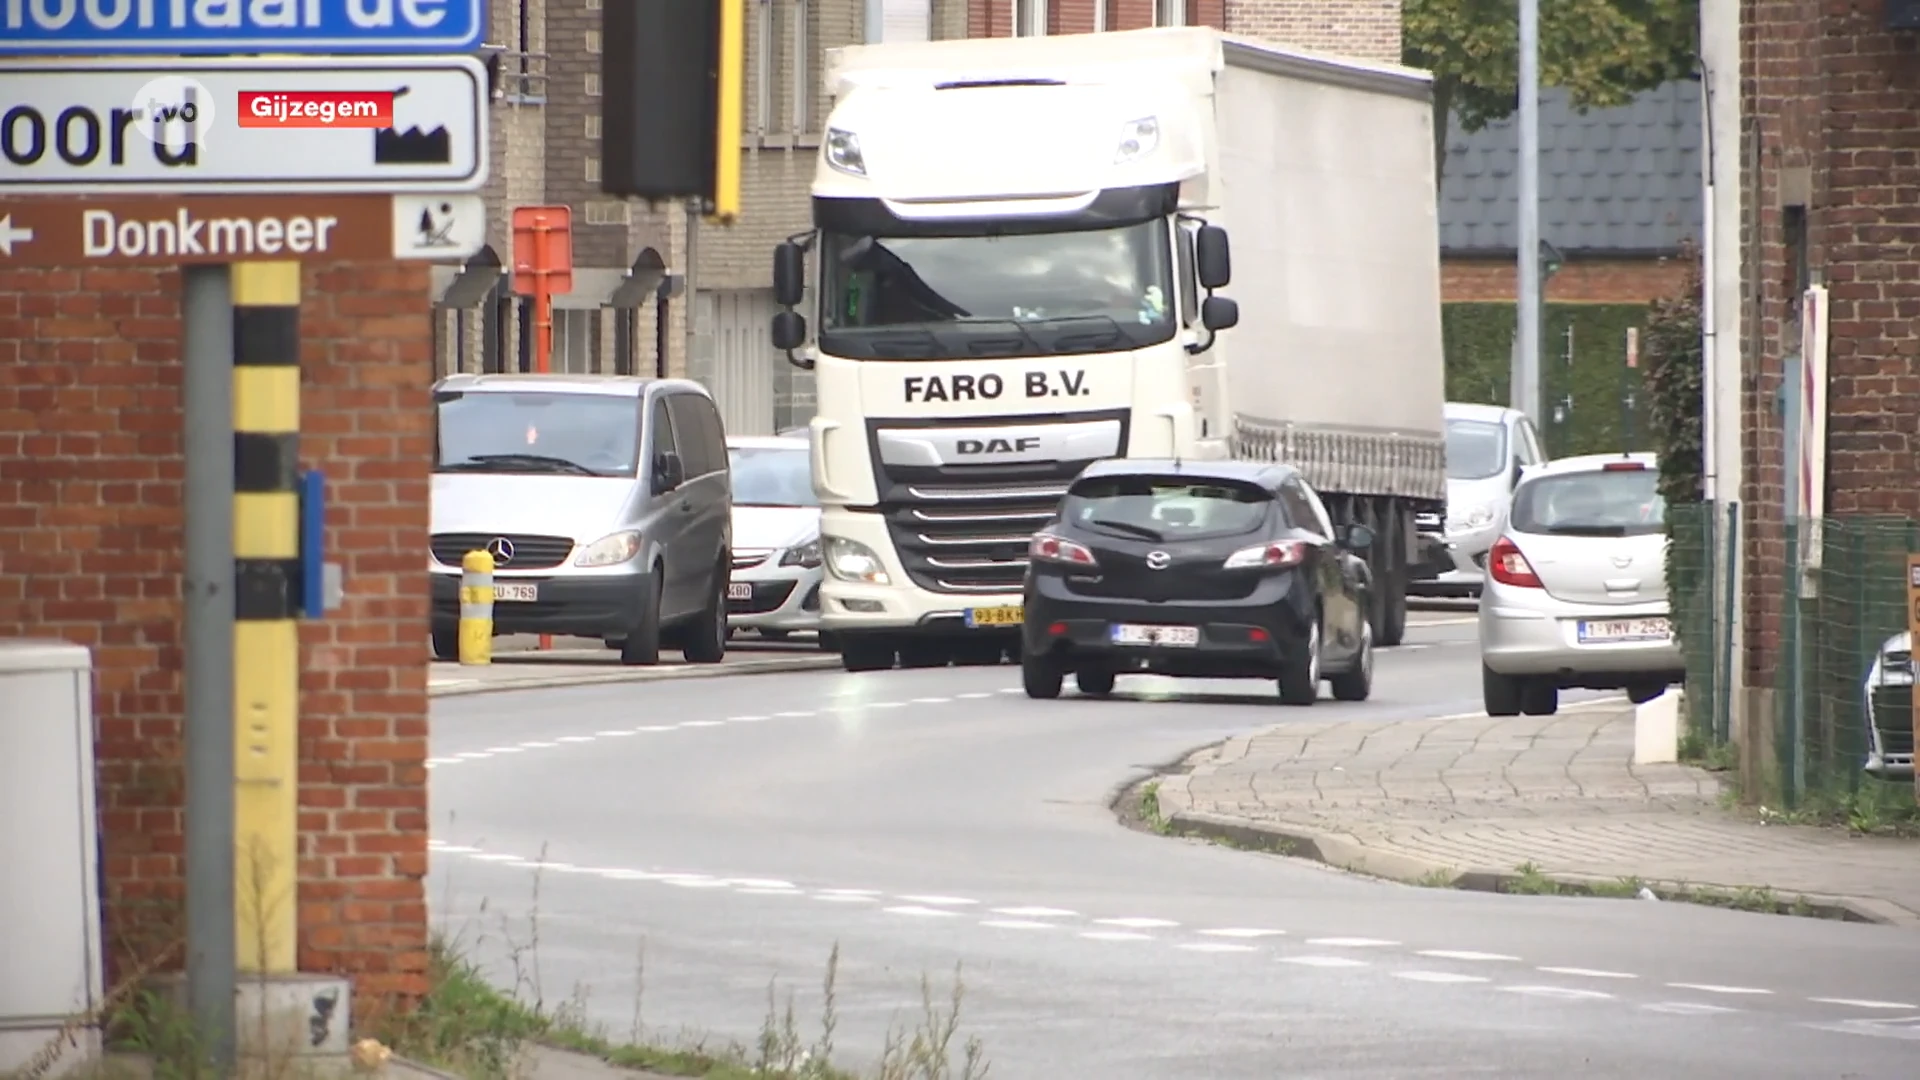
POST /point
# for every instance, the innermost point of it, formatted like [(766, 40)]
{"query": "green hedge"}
[(1479, 344)]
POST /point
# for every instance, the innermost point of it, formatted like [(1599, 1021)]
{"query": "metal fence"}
[(1825, 726)]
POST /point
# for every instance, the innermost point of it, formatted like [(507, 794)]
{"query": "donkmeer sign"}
[(98, 27)]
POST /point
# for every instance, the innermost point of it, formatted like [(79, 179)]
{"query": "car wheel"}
[(705, 640), (1094, 682), (828, 642), (1357, 684), (1538, 697), (1040, 677), (925, 654), (1300, 674), (1642, 692), (446, 644), (859, 653), (642, 646), (1499, 693)]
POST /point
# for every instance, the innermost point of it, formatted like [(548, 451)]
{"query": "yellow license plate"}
[(995, 616)]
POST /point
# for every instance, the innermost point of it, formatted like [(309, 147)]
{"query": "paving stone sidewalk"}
[(1474, 798)]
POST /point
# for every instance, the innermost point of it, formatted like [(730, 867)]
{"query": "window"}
[(1304, 509), (565, 434), (593, 42), (696, 427), (1169, 12), (591, 85), (573, 341), (1531, 452), (662, 429), (802, 96), (1029, 18), (1189, 283), (593, 127), (771, 476), (1476, 449), (1166, 508), (1601, 502), (606, 212), (592, 170)]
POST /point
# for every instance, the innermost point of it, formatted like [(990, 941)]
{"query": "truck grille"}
[(529, 552)]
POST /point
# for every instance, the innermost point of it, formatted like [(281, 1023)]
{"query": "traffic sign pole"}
[(542, 269)]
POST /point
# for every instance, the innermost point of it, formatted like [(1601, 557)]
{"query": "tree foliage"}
[(1601, 51), (1675, 381)]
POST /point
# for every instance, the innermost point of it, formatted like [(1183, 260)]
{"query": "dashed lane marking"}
[(1687, 1008), (919, 910), (1714, 988), (1241, 932), (644, 728), (747, 719), (1324, 961), (939, 901), (506, 750), (612, 734), (582, 738), (1867, 1003), (1565, 993), (1216, 947), (1439, 977), (701, 723), (1463, 954), (1035, 912), (1587, 973), (1351, 942), (1115, 935), (1133, 922), (1018, 924)]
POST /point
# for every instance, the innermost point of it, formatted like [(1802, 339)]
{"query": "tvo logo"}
[(174, 112)]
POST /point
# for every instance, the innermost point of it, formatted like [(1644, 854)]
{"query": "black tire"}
[(1300, 670), (1539, 697), (1500, 694), (861, 653), (1356, 683), (828, 642), (1041, 677), (1094, 682), (1396, 612), (1641, 693), (704, 640), (642, 647), (446, 643), (925, 654)]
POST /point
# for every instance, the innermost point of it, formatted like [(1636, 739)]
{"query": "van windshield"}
[(1475, 449), (1165, 508), (566, 434), (1612, 502)]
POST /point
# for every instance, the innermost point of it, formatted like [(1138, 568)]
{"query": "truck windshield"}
[(563, 434), (1027, 294)]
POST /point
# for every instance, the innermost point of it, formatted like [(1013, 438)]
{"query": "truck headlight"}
[(850, 560), (807, 555), (609, 550), (1137, 139), (842, 149)]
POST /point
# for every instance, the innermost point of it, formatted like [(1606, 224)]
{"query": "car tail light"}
[(1269, 556), (1624, 466), (1050, 548), (1509, 567)]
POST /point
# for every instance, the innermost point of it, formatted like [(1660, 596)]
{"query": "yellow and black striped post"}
[(266, 643), (476, 608)]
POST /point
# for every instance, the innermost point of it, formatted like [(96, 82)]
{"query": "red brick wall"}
[(90, 540), (1597, 281), (1808, 65)]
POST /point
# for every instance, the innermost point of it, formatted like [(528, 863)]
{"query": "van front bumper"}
[(597, 606)]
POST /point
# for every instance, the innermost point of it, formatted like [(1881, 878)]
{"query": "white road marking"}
[(868, 893), (693, 881), (1010, 690), (612, 734), (1115, 935), (1714, 988), (1242, 932), (1017, 924), (574, 738), (538, 745), (506, 750), (1687, 1008), (1463, 954), (452, 850), (1439, 977), (746, 719), (795, 715), (760, 883), (1588, 973), (939, 901), (568, 868), (1324, 961), (1565, 992), (472, 756), (652, 727), (975, 696), (1867, 1003), (931, 700), (1351, 942), (701, 723), (1138, 923), (756, 890), (629, 875), (887, 705), (1034, 912), (846, 898), (1216, 947), (497, 858), (918, 910)]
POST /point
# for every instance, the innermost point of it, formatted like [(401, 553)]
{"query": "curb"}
[(768, 666), (1346, 853)]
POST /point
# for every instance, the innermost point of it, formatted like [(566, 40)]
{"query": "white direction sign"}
[(244, 126)]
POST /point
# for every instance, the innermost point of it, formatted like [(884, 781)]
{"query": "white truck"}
[(1016, 248)]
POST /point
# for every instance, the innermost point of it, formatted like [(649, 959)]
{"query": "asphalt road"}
[(701, 839)]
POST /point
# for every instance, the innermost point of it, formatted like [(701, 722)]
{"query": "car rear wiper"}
[(525, 462), (1127, 527)]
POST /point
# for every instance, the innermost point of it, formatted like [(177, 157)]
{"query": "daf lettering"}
[(951, 387), (1022, 445)]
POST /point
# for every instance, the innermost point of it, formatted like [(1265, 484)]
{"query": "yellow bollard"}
[(476, 608)]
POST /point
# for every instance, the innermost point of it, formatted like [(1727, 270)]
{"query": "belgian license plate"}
[(1610, 631), (515, 594), (1180, 637), (739, 590), (995, 616)]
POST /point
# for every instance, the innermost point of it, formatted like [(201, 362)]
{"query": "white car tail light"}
[(1508, 566)]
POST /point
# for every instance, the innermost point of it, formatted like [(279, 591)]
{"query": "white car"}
[(1488, 447), (1889, 701), (775, 587), (1576, 587)]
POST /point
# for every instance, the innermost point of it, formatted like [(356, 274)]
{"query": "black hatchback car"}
[(1211, 569)]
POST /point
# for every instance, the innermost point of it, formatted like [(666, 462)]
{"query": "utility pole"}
[(1525, 389)]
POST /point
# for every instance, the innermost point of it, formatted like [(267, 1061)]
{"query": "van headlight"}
[(1137, 139), (842, 150), (806, 556), (609, 550), (853, 561), (1477, 518)]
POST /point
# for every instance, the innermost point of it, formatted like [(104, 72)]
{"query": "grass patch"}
[(1529, 880), (1148, 809)]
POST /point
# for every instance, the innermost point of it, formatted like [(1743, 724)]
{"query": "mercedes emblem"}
[(1158, 560), (501, 549)]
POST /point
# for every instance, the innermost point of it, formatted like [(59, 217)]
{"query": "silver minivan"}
[(605, 503), (1488, 446)]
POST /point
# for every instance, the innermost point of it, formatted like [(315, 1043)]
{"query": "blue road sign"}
[(201, 27)]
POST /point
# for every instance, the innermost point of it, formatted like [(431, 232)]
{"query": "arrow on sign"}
[(10, 236)]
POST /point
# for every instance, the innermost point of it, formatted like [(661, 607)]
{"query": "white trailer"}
[(1016, 249)]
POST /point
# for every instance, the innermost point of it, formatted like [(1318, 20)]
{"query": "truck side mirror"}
[(789, 274), (1219, 313), (1213, 263), (789, 330)]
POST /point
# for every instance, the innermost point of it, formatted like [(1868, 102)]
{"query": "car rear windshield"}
[(1623, 502), (1165, 508), (565, 434), (771, 476)]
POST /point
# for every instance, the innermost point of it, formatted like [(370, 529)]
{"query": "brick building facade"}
[(1830, 159), (91, 534)]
